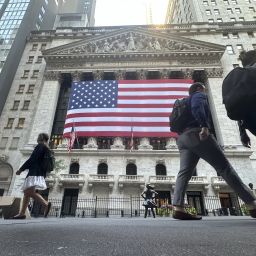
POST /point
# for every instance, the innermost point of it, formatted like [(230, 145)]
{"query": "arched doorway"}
[(131, 169), (6, 174), (74, 168), (161, 169), (102, 168)]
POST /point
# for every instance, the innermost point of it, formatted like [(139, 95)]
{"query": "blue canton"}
[(94, 94)]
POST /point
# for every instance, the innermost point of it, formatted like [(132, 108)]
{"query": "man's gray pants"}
[(191, 150)]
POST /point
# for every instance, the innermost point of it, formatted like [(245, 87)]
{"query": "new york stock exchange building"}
[(104, 171)]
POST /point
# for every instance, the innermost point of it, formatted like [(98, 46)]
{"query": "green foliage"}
[(244, 209), (164, 212), (191, 210), (59, 166)]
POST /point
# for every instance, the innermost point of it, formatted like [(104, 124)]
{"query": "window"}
[(205, 3), (35, 73), (21, 122), (250, 34), (239, 47), (230, 49), (25, 74), (235, 35), (131, 169), (234, 1), (225, 35), (26, 105), (43, 46), (233, 19), (9, 123), (210, 20), (208, 12), (160, 170), (3, 142), (213, 2), (21, 88), (219, 20), (34, 47), (16, 104), (251, 9), (39, 59), (241, 18), (254, 46), (216, 11), (74, 168), (229, 11), (30, 59), (226, 2), (235, 65), (14, 143), (237, 10), (102, 168), (31, 88)]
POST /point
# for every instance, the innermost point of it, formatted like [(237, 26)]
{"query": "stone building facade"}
[(105, 167)]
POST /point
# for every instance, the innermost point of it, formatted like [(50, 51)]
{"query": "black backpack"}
[(180, 114), (239, 92), (48, 162)]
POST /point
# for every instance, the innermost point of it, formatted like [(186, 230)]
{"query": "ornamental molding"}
[(134, 43)]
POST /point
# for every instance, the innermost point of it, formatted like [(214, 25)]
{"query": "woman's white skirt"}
[(34, 181)]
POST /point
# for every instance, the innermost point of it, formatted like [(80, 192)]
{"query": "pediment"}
[(133, 41)]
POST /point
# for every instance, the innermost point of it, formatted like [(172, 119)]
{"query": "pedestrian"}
[(35, 179), (248, 60), (195, 142), (149, 195)]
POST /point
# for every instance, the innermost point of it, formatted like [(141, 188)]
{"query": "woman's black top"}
[(33, 164)]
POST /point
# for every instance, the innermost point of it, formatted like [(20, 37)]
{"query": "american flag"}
[(115, 108)]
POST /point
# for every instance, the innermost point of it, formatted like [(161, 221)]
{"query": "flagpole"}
[(131, 142)]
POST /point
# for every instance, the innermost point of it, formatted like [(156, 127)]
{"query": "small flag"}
[(72, 138), (131, 142)]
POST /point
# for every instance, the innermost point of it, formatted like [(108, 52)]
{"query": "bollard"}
[(136, 213), (122, 213), (83, 214), (107, 213)]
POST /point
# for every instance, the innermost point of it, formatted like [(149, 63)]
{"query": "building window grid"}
[(21, 88), (239, 47), (20, 124), (26, 105), (9, 124), (238, 10), (230, 49), (31, 88), (16, 104)]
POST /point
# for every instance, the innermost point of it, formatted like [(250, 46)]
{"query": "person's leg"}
[(210, 151), (188, 162), (37, 197), (153, 212), (146, 212)]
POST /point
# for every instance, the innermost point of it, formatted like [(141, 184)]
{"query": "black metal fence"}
[(131, 207)]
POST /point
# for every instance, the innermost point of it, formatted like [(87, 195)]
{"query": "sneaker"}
[(185, 216), (47, 210)]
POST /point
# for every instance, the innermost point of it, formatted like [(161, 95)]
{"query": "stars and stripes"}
[(115, 108)]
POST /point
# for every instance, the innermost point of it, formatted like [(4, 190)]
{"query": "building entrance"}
[(195, 199), (163, 198), (229, 204), (69, 202)]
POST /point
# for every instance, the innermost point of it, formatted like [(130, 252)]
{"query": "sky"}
[(128, 12)]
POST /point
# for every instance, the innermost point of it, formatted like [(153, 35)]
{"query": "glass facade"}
[(9, 24)]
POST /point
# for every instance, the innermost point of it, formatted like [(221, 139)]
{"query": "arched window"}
[(160, 169), (102, 168), (131, 169), (74, 168)]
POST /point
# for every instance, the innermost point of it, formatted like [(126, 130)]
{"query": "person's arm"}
[(200, 111), (245, 139), (37, 153), (142, 195)]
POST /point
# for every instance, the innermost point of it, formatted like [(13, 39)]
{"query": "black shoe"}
[(47, 210), (185, 216), (19, 217)]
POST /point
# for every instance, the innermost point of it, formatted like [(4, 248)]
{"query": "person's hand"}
[(204, 133), (18, 172), (245, 139)]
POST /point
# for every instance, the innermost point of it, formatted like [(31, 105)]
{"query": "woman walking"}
[(149, 195), (35, 179)]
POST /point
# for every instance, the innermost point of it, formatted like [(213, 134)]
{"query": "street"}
[(128, 236)]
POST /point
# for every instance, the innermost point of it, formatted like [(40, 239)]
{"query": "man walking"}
[(195, 142)]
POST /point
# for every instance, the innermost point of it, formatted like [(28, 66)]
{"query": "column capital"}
[(76, 75), (52, 75)]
